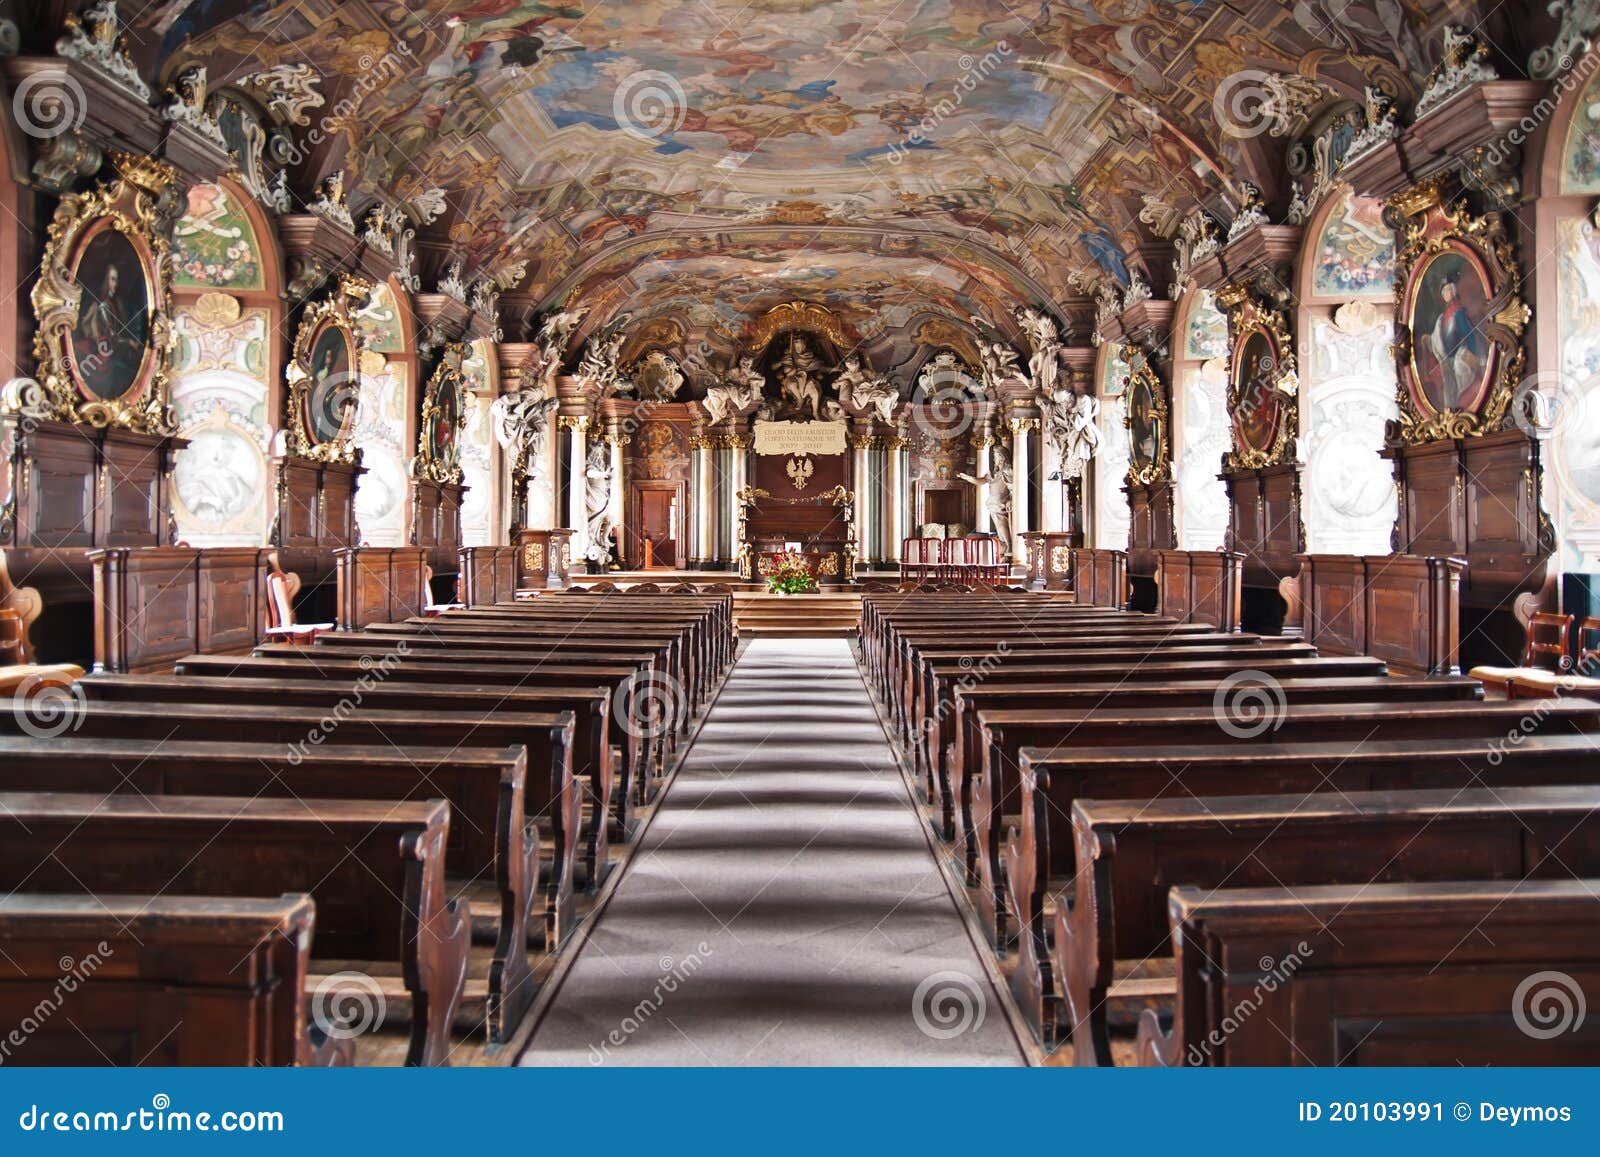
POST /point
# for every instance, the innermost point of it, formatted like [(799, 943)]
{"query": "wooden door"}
[(658, 525)]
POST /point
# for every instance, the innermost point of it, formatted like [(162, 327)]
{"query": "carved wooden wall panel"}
[(155, 605), (1404, 609)]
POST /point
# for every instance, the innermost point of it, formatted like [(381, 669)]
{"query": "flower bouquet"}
[(789, 575)]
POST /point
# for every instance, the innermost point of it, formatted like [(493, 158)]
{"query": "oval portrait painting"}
[(1144, 425), (110, 343), (1451, 357), (333, 391), (442, 437), (1256, 416)]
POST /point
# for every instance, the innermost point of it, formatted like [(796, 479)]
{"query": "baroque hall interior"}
[(925, 375)]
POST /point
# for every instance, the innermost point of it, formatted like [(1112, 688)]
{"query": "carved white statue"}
[(1044, 342), (554, 335), (863, 392), (797, 379), (997, 500), (743, 390), (597, 499), (1072, 426)]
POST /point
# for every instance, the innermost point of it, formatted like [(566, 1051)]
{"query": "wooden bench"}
[(298, 733), (1154, 668), (636, 746), (491, 837), (1381, 974), (592, 754), (374, 868), (160, 980), (1052, 781), (1006, 733), (1130, 853)]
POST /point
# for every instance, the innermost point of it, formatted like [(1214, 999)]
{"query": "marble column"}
[(861, 486), (577, 428), (700, 496), (738, 479), (617, 504), (1021, 482), (899, 501), (982, 442)]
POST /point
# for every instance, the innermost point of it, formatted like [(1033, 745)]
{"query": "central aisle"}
[(784, 907)]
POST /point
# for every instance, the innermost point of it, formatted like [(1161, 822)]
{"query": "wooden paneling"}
[(488, 575), (1264, 523), (380, 584), (1201, 586), (316, 514), (436, 522), (1403, 609), (544, 558), (155, 605), (1101, 577), (1475, 499)]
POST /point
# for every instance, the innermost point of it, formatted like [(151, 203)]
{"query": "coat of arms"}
[(800, 470)]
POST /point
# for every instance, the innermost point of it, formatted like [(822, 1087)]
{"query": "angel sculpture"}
[(997, 499), (597, 503), (1044, 342), (554, 335), (1000, 363), (521, 420), (744, 389), (1072, 426), (862, 392)]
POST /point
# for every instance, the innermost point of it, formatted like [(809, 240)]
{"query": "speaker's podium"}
[(823, 528)]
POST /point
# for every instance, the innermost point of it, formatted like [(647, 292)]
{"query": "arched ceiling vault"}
[(648, 156)]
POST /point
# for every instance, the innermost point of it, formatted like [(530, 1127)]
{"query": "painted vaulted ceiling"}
[(703, 161)]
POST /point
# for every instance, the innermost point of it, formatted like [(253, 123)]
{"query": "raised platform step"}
[(825, 614)]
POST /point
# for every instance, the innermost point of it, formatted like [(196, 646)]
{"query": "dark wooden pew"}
[(1006, 733), (489, 836), (160, 980), (374, 868), (1053, 780), (298, 734), (635, 743), (1381, 974), (608, 643), (708, 623), (971, 702), (592, 755), (1155, 667), (1130, 853)]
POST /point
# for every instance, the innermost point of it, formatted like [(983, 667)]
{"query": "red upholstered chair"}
[(954, 564), (281, 626), (984, 552), (1545, 652), (919, 559), (1582, 679)]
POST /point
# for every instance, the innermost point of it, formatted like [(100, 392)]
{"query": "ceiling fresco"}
[(553, 134)]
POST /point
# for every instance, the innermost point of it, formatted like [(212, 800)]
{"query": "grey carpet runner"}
[(783, 907)]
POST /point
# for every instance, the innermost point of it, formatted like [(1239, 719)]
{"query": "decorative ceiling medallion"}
[(104, 336), (1262, 382), (324, 382), (1459, 329)]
